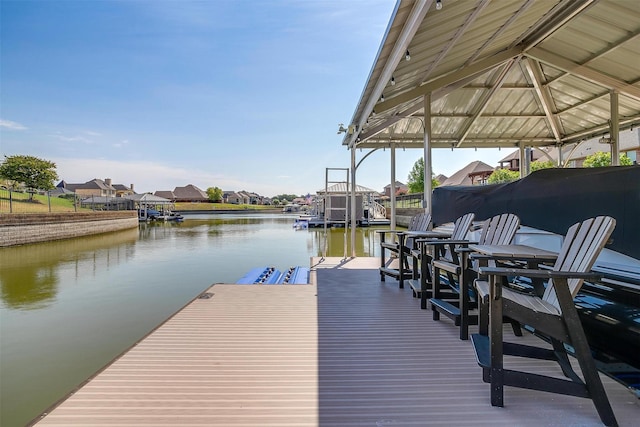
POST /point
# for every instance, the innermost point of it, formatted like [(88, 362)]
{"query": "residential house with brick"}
[(475, 173), (95, 187), (236, 198), (166, 194), (190, 193), (401, 188), (512, 161)]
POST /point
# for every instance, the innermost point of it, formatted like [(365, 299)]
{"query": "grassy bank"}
[(20, 203)]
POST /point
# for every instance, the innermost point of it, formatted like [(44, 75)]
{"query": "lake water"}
[(67, 308)]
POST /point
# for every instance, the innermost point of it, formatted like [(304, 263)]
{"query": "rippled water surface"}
[(69, 307)]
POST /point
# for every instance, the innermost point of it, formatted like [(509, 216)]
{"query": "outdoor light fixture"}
[(341, 129), (382, 98), (438, 4), (393, 81), (407, 56)]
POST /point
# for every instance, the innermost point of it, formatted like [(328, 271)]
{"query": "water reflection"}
[(69, 307), (29, 274)]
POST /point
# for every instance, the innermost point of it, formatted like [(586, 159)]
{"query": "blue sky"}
[(242, 95)]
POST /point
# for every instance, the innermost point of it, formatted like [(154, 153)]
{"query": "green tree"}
[(539, 164), (500, 176), (215, 194), (34, 173), (285, 198), (415, 180), (603, 158)]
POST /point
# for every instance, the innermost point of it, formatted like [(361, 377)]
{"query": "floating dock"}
[(345, 350)]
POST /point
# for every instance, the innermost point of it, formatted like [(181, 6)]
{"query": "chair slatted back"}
[(420, 222), (580, 249), (499, 230), (462, 226)]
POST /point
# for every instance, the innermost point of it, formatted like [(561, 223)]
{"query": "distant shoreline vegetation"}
[(203, 206)]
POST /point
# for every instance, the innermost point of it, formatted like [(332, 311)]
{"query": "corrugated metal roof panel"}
[(584, 48)]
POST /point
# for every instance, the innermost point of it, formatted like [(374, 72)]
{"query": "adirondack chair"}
[(422, 257), (400, 244), (498, 230), (553, 315)]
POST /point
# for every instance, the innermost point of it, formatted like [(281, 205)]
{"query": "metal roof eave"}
[(606, 65)]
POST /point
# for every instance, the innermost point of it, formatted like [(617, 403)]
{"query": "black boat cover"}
[(554, 200)]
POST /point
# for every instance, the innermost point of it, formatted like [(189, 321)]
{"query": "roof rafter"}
[(584, 72), (417, 106), (481, 105), (544, 96), (450, 78), (408, 31)]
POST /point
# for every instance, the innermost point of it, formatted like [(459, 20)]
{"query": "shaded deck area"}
[(350, 351)]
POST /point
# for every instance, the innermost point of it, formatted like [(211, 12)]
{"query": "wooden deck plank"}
[(349, 351)]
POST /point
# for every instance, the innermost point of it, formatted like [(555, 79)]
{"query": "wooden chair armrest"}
[(514, 258), (390, 231), (534, 273), (442, 242)]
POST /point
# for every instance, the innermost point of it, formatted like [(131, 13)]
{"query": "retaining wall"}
[(404, 215), (20, 229)]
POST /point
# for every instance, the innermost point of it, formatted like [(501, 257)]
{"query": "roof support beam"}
[(448, 79), (371, 132), (584, 72), (544, 95), (558, 17), (484, 100)]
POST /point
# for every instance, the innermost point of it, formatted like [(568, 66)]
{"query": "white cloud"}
[(12, 125), (76, 138)]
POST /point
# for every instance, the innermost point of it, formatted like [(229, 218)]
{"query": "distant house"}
[(475, 173), (441, 178), (123, 190), (95, 187), (166, 194), (575, 154), (512, 161), (236, 198), (400, 189), (190, 193)]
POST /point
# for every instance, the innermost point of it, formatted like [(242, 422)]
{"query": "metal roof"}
[(501, 73), (342, 188)]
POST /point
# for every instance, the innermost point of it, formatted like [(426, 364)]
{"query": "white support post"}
[(353, 202), (427, 153), (393, 185), (560, 159), (615, 129), (522, 159)]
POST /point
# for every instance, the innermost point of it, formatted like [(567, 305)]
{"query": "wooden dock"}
[(347, 350)]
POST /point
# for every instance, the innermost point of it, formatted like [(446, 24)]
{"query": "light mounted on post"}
[(342, 129)]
